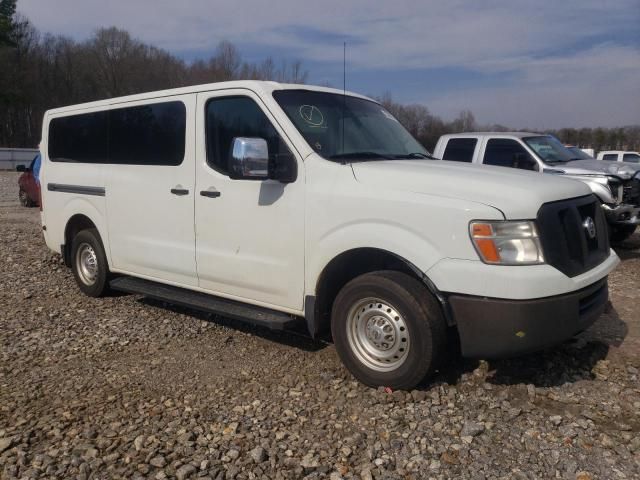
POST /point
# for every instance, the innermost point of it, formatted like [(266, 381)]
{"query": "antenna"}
[(344, 88)]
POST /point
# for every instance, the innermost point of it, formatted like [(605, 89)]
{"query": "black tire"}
[(619, 233), (416, 308), (85, 242), (25, 201)]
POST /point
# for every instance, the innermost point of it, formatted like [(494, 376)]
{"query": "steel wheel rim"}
[(87, 264), (378, 334)]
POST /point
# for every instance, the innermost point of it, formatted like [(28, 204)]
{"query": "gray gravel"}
[(126, 388)]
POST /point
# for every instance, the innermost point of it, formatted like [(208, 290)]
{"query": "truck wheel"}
[(89, 263), (619, 233), (388, 329)]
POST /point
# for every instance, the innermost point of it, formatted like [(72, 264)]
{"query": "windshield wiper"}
[(415, 155), (359, 156)]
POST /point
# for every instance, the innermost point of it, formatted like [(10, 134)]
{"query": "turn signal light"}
[(506, 242)]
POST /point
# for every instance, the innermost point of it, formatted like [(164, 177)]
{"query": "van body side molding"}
[(81, 189)]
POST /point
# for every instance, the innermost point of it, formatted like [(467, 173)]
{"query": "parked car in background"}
[(291, 204), (619, 156), (616, 186), (28, 187)]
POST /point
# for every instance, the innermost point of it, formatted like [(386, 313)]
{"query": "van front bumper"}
[(494, 328)]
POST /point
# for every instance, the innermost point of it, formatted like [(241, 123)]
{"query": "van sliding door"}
[(150, 189)]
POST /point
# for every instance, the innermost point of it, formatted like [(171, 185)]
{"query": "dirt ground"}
[(123, 387)]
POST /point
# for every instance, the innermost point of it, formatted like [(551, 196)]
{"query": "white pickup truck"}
[(619, 156), (617, 186), (284, 204)]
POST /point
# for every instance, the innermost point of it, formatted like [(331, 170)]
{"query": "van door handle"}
[(210, 193), (180, 191)]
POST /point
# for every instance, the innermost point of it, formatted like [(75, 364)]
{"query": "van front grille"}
[(567, 234)]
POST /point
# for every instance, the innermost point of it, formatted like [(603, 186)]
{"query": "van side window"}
[(611, 157), (151, 134), (231, 117), (631, 157), (79, 138), (460, 149), (505, 152)]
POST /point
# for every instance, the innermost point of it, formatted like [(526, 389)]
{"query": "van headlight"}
[(506, 242)]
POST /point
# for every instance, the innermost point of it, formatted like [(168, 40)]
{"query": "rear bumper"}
[(493, 328)]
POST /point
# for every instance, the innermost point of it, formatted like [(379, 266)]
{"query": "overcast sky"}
[(538, 64)]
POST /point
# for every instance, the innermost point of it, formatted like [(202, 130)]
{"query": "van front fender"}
[(391, 237)]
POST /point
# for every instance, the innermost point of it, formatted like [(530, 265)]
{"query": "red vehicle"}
[(29, 192)]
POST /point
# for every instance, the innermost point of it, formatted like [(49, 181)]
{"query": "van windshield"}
[(549, 149), (346, 128)]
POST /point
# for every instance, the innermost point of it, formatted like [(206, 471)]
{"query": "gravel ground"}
[(126, 388)]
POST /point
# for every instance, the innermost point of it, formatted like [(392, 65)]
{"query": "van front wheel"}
[(388, 329), (89, 263)]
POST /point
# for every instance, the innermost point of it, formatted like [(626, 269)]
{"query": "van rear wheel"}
[(89, 263), (388, 329)]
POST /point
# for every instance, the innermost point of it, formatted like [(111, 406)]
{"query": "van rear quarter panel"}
[(59, 207)]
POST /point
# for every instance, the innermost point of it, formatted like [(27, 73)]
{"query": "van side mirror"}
[(249, 159), (21, 168)]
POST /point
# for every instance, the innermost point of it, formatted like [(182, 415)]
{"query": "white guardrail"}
[(10, 158)]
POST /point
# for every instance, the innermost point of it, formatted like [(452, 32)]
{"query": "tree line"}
[(42, 71)]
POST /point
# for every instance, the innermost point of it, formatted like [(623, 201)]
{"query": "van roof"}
[(257, 86)]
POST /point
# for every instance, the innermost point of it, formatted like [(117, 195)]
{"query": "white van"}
[(278, 204)]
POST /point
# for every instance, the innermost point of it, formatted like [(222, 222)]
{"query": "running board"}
[(207, 303)]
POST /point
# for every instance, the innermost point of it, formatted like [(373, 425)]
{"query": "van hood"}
[(518, 194)]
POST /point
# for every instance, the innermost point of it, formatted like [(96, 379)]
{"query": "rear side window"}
[(79, 138), (231, 117), (460, 149), (612, 157), (152, 134), (631, 157), (505, 152)]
